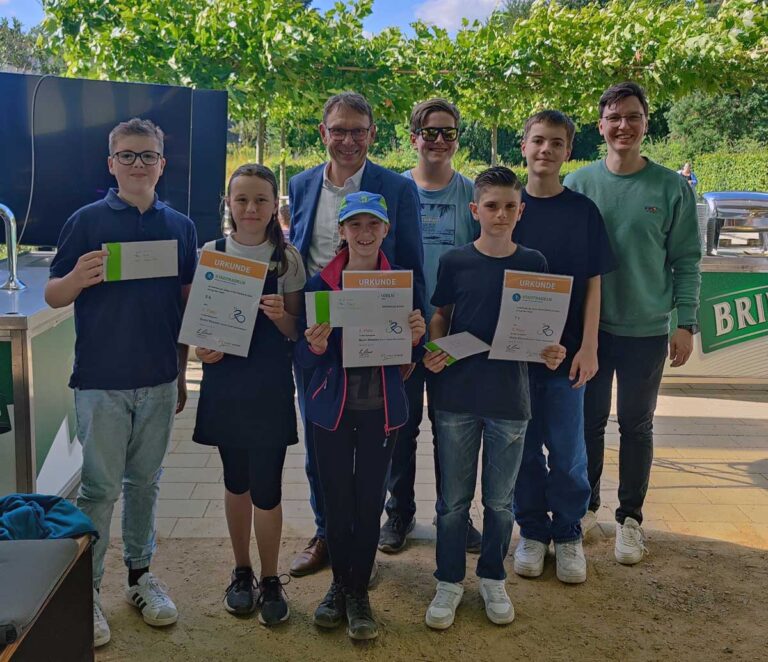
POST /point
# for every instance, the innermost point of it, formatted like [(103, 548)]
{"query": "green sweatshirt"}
[(651, 221)]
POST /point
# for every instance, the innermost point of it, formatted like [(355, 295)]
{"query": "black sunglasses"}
[(430, 133)]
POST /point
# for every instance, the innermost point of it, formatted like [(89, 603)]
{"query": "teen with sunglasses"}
[(446, 222)]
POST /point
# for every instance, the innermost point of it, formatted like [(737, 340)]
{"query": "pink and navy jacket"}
[(326, 394)]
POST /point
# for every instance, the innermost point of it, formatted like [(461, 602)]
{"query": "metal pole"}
[(9, 220)]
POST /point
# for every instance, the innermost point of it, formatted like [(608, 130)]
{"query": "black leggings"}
[(259, 470), (353, 463)]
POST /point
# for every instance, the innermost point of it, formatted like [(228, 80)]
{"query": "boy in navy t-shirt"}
[(478, 399), (129, 372), (568, 229)]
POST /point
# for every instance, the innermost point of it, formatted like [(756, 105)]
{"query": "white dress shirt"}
[(325, 234)]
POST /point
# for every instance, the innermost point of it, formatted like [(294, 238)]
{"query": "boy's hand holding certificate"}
[(534, 308), (223, 304), (458, 346)]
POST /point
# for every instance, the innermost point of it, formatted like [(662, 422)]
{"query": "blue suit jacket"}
[(402, 246)]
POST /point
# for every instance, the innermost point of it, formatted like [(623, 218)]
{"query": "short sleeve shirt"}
[(569, 231), (473, 282), (446, 223), (292, 280), (127, 331)]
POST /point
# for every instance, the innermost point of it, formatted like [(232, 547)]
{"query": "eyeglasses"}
[(430, 133), (128, 157), (340, 134), (615, 120)]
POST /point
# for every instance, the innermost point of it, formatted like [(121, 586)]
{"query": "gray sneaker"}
[(570, 561), (101, 633), (442, 610)]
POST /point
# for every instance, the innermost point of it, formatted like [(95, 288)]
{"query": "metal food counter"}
[(40, 452)]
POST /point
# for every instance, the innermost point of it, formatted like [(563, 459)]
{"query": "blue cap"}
[(363, 202)]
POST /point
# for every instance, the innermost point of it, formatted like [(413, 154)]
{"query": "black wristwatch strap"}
[(691, 328)]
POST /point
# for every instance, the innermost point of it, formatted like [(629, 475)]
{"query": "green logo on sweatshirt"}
[(734, 309)]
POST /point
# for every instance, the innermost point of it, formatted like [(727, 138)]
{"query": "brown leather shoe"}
[(312, 559)]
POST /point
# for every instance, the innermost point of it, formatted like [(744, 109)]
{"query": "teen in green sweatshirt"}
[(650, 215)]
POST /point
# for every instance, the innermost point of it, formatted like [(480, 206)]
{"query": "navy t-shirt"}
[(473, 283), (569, 230), (127, 330)]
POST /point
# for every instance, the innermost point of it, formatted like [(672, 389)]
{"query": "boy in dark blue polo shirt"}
[(479, 400), (128, 374), (567, 228)]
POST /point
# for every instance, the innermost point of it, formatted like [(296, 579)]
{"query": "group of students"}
[(624, 229)]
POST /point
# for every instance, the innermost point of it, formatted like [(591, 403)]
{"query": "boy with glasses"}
[(446, 222), (650, 215), (347, 131), (128, 374)]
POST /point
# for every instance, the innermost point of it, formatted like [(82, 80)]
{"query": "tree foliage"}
[(19, 52)]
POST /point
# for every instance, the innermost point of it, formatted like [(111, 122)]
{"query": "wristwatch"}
[(693, 329)]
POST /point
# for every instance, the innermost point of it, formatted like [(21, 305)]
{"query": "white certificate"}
[(223, 303), (534, 308), (374, 343), (344, 308), (458, 346), (132, 260)]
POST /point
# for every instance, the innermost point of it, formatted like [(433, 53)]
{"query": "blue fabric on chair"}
[(41, 516)]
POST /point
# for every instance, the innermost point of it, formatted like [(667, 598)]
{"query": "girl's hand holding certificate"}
[(553, 356), (436, 361), (208, 355), (317, 336), (418, 326), (273, 306)]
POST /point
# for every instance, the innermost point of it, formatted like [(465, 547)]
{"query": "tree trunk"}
[(283, 171), (494, 145), (261, 138)]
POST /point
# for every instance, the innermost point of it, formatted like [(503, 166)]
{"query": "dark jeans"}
[(402, 476), (556, 483), (352, 464), (638, 364), (310, 463)]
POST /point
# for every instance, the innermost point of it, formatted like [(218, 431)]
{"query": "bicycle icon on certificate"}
[(395, 328), (238, 316), (546, 331)]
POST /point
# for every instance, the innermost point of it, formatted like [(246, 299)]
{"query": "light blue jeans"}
[(459, 449), (125, 436)]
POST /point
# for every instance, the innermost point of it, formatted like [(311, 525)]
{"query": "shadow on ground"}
[(691, 599)]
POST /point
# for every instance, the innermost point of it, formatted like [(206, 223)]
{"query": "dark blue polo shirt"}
[(127, 330)]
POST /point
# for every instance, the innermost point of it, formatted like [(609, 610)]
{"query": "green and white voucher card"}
[(132, 260)]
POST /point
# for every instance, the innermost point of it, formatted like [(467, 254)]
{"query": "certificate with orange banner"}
[(534, 308), (223, 303), (377, 340)]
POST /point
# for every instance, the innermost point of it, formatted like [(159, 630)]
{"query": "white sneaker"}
[(101, 633), (442, 609), (529, 557), (630, 546), (571, 564), (151, 597), (588, 522), (498, 606)]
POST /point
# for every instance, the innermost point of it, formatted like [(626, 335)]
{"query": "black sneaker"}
[(274, 607), (360, 623), (240, 597), (332, 609), (474, 539), (393, 534)]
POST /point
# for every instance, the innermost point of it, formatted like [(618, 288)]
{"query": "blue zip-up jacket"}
[(326, 394)]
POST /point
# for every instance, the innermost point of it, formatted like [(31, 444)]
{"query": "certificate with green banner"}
[(132, 260)]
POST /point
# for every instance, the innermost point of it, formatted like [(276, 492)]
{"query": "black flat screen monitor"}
[(72, 121)]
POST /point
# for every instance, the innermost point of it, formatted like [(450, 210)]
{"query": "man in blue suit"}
[(347, 131)]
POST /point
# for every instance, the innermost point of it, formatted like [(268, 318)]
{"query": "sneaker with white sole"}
[(570, 561), (151, 598), (529, 557), (498, 606), (101, 633), (588, 522), (630, 542), (442, 609)]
